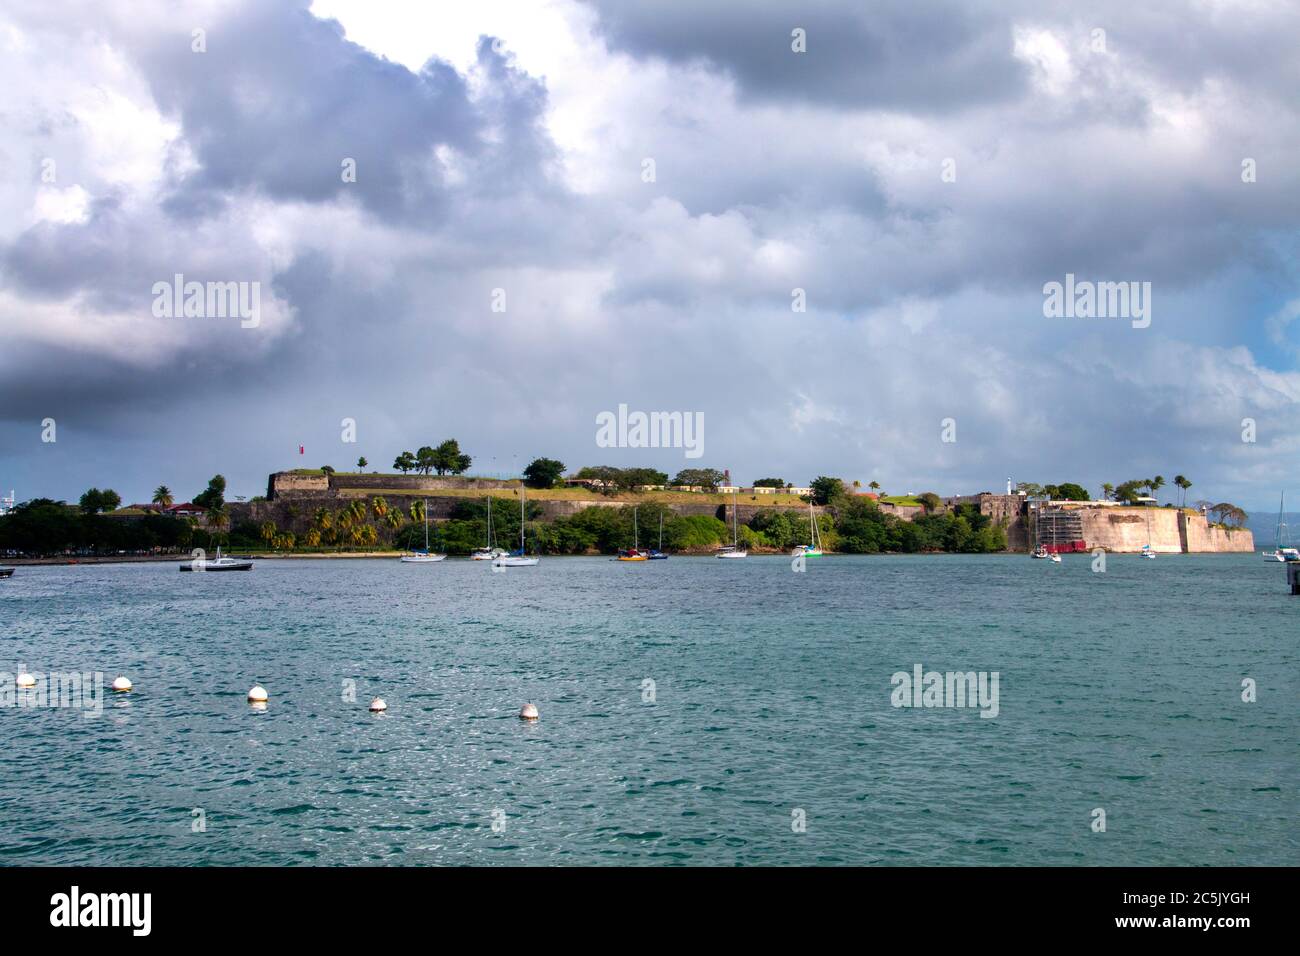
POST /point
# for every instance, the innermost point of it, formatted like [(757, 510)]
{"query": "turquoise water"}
[(1119, 690)]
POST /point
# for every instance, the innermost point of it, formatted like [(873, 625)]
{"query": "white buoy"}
[(26, 680), (378, 706), (121, 684), (258, 695), (528, 712)]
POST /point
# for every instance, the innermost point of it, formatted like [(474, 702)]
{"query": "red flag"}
[(301, 450)]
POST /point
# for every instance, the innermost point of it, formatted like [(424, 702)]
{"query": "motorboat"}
[(219, 563)]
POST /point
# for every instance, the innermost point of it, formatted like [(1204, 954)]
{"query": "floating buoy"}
[(26, 680), (121, 684), (257, 695), (377, 706), (528, 712)]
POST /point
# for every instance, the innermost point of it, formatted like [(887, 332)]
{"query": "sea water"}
[(693, 711)]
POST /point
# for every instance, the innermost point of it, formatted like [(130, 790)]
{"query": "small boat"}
[(517, 559), (423, 557), (6, 572), (488, 552), (1040, 552), (219, 563), (1281, 552), (814, 548), (734, 549), (658, 554), (1055, 558), (1147, 552), (633, 553)]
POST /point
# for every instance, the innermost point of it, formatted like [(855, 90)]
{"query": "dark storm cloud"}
[(280, 99), (898, 54)]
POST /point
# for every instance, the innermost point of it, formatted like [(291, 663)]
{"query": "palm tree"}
[(162, 495), (1157, 483), (417, 510), (1107, 491), (323, 518), (393, 519), (874, 486), (1184, 484), (218, 518), (312, 538), (268, 531), (379, 506)]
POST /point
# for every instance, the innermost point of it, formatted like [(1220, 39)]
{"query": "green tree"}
[(362, 463), (426, 459), (447, 457), (874, 486), (543, 473), (1069, 491), (95, 501), (214, 496), (825, 490), (405, 462), (706, 478), (327, 469), (1183, 484), (1157, 483), (162, 495), (930, 501), (770, 483)]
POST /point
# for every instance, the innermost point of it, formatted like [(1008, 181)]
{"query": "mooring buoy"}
[(528, 712)]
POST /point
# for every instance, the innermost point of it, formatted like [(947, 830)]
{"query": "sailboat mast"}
[(426, 524), (636, 538), (521, 519)]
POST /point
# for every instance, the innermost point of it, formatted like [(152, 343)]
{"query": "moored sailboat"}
[(1282, 552), (633, 553), (423, 557), (517, 559), (734, 550), (813, 549), (488, 552), (658, 554)]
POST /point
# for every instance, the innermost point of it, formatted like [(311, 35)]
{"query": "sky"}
[(564, 206)]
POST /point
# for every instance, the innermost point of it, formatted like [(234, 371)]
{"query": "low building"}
[(187, 510)]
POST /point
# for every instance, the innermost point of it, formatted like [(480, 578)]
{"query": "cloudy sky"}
[(504, 145)]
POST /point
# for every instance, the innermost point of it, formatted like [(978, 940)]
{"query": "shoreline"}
[(393, 555)]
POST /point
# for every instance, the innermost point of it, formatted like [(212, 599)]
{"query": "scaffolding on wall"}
[(1057, 529)]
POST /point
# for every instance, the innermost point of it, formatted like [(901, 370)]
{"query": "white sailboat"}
[(814, 547), (423, 557), (517, 559), (1281, 552), (733, 550), (488, 553), (1146, 548)]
